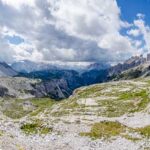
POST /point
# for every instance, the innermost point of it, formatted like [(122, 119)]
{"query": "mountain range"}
[(27, 66), (115, 114), (57, 83)]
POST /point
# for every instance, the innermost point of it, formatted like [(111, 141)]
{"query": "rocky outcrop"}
[(3, 91), (56, 89), (128, 64), (58, 83), (98, 66), (20, 87), (142, 70)]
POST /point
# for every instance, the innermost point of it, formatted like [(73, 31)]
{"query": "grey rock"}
[(20, 87), (6, 70)]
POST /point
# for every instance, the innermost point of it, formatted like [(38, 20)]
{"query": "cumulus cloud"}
[(134, 32), (66, 31), (87, 19), (18, 3), (144, 30)]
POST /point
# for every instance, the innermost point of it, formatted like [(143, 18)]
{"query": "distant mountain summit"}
[(128, 64), (134, 67), (98, 66), (59, 83), (6, 70), (27, 66)]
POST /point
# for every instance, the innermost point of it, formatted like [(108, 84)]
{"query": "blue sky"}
[(76, 32), (130, 8), (14, 39)]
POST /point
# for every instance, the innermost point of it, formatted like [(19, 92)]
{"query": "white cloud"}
[(18, 3), (86, 19), (134, 32), (144, 30), (26, 51), (65, 30), (138, 43), (141, 16)]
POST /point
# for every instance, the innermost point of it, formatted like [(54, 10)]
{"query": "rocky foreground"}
[(110, 116)]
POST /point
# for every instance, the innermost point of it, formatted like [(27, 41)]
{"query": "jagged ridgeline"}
[(58, 83)]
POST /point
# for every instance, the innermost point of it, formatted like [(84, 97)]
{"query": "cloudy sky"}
[(73, 30)]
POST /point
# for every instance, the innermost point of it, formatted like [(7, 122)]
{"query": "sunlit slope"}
[(113, 115)]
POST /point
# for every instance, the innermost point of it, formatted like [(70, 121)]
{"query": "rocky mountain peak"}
[(6, 70)]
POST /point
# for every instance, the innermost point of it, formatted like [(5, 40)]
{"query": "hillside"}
[(20, 87), (142, 70), (60, 83), (6, 70), (107, 116)]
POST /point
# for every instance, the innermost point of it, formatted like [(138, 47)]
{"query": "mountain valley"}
[(71, 110)]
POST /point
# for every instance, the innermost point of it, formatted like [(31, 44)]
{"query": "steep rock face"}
[(142, 70), (17, 87), (3, 91), (130, 63), (6, 70), (20, 87), (72, 77), (57, 89), (98, 66)]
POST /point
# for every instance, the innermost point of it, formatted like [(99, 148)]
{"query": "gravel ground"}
[(66, 128)]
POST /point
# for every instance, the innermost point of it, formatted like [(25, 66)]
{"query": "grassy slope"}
[(109, 100)]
